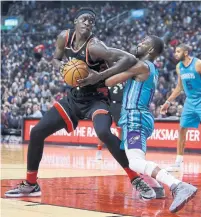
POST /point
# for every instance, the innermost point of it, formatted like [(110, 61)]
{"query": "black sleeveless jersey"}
[(83, 54)]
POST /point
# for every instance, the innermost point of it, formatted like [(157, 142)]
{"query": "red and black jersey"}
[(83, 54)]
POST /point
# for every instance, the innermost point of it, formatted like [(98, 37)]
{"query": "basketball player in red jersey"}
[(81, 103)]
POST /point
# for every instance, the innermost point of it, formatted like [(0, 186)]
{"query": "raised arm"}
[(59, 52)]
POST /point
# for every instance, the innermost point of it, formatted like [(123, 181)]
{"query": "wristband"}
[(167, 102)]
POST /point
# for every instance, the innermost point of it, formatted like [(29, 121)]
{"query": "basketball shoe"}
[(25, 189), (182, 193), (146, 192), (99, 155), (177, 167)]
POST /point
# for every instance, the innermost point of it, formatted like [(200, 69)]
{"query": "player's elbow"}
[(131, 60), (178, 89)]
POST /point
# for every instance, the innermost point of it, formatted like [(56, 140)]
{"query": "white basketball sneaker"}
[(176, 167)]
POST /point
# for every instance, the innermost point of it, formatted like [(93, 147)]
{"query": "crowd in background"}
[(30, 85)]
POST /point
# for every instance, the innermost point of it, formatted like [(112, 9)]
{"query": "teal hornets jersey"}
[(138, 95), (191, 79)]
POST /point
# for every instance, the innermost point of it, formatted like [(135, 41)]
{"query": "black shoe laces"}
[(21, 184), (141, 185)]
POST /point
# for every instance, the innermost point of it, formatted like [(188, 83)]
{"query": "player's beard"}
[(181, 58), (135, 52)]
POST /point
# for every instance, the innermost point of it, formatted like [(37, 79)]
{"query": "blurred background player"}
[(115, 93), (137, 122), (189, 80), (99, 155)]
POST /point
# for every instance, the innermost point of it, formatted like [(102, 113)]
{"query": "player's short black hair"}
[(158, 44), (185, 47), (85, 10)]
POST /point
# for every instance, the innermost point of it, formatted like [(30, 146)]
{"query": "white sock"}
[(179, 159), (166, 178)]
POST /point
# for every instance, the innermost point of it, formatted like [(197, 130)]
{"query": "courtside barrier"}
[(164, 136)]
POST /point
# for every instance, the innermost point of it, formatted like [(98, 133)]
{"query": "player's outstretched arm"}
[(138, 69), (59, 52), (118, 61), (174, 95)]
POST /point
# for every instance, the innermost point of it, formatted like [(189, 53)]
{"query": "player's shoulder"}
[(178, 66), (198, 61), (198, 65), (63, 33), (95, 41), (147, 64), (62, 38)]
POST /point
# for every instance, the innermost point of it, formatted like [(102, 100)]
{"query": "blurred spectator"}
[(14, 119), (28, 77), (36, 112), (28, 112), (4, 122)]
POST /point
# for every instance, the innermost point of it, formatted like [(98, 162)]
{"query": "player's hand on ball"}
[(164, 108), (93, 78)]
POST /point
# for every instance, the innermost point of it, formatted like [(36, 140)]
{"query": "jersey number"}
[(118, 86), (189, 85)]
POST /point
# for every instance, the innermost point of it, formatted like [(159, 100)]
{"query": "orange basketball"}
[(74, 70)]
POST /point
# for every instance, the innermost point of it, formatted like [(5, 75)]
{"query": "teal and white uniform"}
[(191, 81), (136, 120)]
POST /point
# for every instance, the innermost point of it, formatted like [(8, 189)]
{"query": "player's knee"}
[(102, 123), (142, 166), (182, 132), (137, 162), (36, 133)]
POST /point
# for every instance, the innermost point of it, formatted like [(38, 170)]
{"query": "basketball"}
[(74, 70)]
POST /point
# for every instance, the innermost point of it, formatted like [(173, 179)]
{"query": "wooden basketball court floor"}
[(74, 184)]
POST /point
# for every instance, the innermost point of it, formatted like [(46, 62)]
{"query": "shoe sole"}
[(35, 194), (147, 199), (184, 202)]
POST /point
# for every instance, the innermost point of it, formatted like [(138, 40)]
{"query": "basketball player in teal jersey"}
[(136, 120), (189, 81)]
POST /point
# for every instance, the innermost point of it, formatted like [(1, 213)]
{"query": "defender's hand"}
[(164, 108), (93, 78)]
